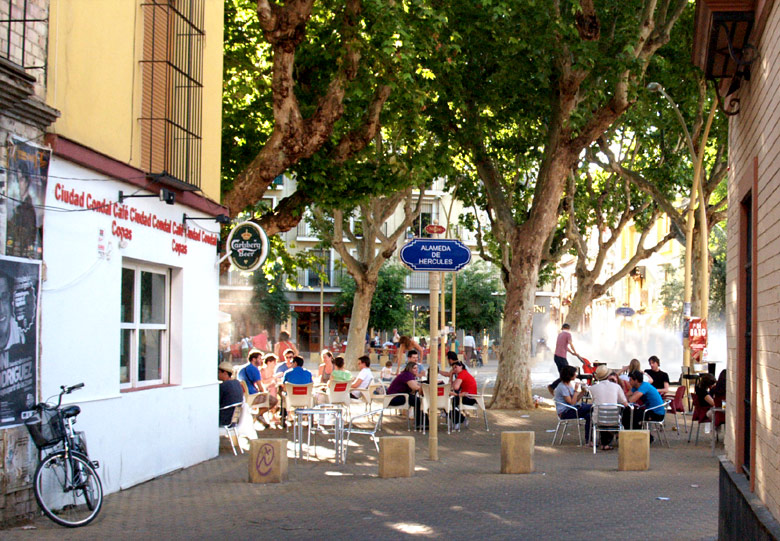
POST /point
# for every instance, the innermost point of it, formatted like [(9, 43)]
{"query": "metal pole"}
[(322, 315), (443, 319), (433, 372)]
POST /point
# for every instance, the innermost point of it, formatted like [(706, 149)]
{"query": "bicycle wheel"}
[(68, 491)]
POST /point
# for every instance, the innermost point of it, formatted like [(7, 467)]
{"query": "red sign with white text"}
[(697, 333)]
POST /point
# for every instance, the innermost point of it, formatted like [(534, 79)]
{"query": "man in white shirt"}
[(469, 345), (364, 377), (606, 392)]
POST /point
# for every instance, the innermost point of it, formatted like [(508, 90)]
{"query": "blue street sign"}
[(437, 255)]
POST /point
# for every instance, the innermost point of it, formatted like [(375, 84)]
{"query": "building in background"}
[(750, 470), (127, 292)]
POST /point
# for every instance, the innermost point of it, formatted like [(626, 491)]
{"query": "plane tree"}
[(523, 91), (308, 80)]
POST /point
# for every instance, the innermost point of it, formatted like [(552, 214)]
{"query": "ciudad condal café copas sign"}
[(125, 216)]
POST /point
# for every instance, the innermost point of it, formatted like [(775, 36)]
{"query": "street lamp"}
[(698, 163)]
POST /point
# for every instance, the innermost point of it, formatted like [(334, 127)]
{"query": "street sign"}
[(435, 229), (435, 255), (625, 311), (247, 246)]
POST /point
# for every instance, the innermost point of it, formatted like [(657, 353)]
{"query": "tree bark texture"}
[(358, 325)]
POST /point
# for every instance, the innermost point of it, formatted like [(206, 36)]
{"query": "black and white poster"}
[(19, 289)]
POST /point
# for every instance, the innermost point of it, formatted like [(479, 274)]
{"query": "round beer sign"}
[(248, 246)]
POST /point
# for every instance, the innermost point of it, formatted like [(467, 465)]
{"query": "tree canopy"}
[(388, 306)]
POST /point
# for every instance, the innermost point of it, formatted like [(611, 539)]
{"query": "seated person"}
[(364, 377), (657, 377), (298, 374), (387, 372), (326, 366), (250, 374), (406, 383), (339, 374), (716, 398), (413, 356), (452, 358), (566, 393), (703, 401), (268, 373), (606, 391), (641, 390), (287, 364), (463, 384), (230, 392)]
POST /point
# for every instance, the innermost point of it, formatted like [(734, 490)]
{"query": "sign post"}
[(434, 256)]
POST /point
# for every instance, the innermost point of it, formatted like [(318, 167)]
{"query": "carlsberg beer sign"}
[(247, 246)]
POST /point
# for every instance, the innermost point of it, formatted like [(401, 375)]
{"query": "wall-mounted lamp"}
[(165, 195), (223, 219)]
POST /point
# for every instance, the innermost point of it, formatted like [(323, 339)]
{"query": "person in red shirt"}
[(464, 384)]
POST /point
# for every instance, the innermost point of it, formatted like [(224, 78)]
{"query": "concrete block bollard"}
[(517, 452), (396, 456), (634, 450), (268, 460)]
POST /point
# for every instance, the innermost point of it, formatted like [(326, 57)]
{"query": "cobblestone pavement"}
[(573, 494)]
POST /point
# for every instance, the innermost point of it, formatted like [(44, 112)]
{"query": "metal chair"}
[(229, 429), (480, 405), (657, 426), (605, 418), (565, 423), (367, 431), (699, 415)]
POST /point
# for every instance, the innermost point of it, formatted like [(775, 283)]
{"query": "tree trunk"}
[(580, 302), (513, 382), (358, 325)]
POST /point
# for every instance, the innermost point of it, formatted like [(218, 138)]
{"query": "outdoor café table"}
[(311, 413)]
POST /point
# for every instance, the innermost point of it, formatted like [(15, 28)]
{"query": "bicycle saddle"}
[(70, 411)]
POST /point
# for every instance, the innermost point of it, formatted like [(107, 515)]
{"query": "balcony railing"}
[(417, 280)]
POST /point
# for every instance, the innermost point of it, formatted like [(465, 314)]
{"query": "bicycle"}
[(66, 484)]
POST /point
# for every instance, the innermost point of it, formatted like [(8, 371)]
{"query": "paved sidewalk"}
[(574, 494)]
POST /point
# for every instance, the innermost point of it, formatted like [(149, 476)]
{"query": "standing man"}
[(469, 345), (563, 345)]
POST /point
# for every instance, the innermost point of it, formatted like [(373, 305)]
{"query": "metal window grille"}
[(172, 104), (17, 18)]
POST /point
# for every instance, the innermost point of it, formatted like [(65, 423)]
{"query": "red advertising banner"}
[(697, 333)]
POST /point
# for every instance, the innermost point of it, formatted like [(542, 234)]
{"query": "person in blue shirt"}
[(650, 397), (298, 374), (250, 374)]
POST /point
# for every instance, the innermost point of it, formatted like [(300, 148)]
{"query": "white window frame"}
[(138, 267)]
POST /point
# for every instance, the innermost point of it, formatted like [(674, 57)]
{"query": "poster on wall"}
[(27, 175), (19, 288), (3, 207)]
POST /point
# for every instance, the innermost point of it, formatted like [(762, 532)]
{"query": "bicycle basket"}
[(45, 428)]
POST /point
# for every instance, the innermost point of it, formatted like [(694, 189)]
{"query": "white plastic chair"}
[(229, 429), (564, 423), (480, 405), (338, 392), (385, 400), (297, 396), (443, 402)]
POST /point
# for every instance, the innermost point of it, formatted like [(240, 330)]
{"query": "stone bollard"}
[(396, 456), (517, 452), (634, 450), (268, 460)]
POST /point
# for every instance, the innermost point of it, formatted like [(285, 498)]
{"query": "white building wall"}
[(135, 434)]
